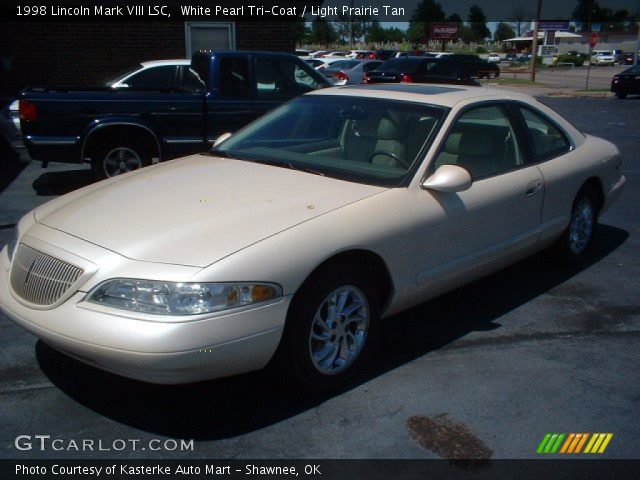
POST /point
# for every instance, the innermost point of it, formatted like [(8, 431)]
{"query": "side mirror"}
[(221, 139), (448, 178)]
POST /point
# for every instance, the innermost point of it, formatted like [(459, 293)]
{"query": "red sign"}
[(593, 39), (444, 31)]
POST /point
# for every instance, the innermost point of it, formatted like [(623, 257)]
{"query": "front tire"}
[(577, 239), (621, 95), (330, 330)]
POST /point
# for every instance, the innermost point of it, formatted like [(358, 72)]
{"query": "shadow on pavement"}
[(10, 167), (59, 183), (237, 405)]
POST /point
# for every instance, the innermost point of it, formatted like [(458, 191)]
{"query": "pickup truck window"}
[(234, 77), (282, 77), (154, 78)]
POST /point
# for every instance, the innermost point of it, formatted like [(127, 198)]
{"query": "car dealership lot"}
[(529, 350)]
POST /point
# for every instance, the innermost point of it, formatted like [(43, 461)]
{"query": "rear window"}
[(399, 65), (344, 64)]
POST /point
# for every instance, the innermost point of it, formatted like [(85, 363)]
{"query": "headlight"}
[(168, 298)]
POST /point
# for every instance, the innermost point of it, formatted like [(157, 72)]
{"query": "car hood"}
[(196, 210)]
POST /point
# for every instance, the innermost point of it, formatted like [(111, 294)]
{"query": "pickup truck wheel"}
[(331, 325), (109, 160)]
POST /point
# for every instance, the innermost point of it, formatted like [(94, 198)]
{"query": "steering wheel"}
[(400, 161)]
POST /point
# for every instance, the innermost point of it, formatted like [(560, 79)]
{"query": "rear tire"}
[(118, 156), (621, 95), (330, 330), (575, 242)]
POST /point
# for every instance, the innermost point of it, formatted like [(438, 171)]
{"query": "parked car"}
[(628, 58), (602, 57), (475, 66), (327, 62), (126, 128), (297, 234), (618, 56), (494, 57), (420, 70), (350, 72), (626, 82)]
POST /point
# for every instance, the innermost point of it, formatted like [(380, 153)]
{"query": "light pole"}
[(534, 42)]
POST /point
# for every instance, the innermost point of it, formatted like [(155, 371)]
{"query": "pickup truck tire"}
[(115, 157)]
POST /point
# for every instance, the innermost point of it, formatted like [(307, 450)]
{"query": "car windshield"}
[(373, 141), (634, 69)]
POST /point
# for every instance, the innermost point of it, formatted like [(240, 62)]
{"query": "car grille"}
[(40, 278)]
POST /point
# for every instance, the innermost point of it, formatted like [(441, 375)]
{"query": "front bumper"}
[(167, 352)]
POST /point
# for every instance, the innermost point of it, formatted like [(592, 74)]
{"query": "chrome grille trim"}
[(39, 278)]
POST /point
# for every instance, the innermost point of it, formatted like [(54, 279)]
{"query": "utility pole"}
[(534, 42)]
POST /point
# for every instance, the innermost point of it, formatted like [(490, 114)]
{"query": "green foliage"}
[(424, 15), (478, 24), (322, 33), (481, 49), (503, 31)]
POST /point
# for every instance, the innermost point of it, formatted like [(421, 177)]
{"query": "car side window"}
[(153, 78), (190, 81), (234, 77), (547, 139), (482, 141), (277, 77)]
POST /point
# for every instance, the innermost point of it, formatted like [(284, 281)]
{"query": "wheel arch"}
[(596, 185), (98, 132), (372, 264)]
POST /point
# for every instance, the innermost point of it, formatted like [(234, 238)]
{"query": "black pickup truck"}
[(122, 129)]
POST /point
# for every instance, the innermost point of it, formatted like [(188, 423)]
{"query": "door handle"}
[(533, 188)]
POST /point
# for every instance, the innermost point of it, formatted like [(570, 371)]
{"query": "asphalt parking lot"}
[(491, 367)]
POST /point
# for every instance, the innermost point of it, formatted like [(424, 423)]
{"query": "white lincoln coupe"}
[(295, 236)]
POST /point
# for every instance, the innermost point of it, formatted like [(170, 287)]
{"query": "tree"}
[(503, 31), (300, 31), (322, 32), (424, 15), (478, 24), (519, 15)]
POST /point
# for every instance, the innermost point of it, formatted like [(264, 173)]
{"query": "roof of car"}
[(160, 63), (446, 95)]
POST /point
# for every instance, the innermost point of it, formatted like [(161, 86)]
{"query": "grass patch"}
[(517, 81), (592, 90)]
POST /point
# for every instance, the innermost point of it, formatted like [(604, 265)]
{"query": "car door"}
[(230, 106), (172, 107), (462, 235)]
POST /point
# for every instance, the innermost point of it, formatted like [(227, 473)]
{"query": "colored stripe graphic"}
[(598, 443), (574, 443), (550, 443)]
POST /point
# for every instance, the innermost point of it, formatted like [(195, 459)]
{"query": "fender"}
[(99, 124)]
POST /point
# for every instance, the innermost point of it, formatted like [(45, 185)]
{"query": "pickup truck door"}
[(229, 102)]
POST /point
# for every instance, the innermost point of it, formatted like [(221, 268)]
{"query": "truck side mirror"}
[(221, 139)]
